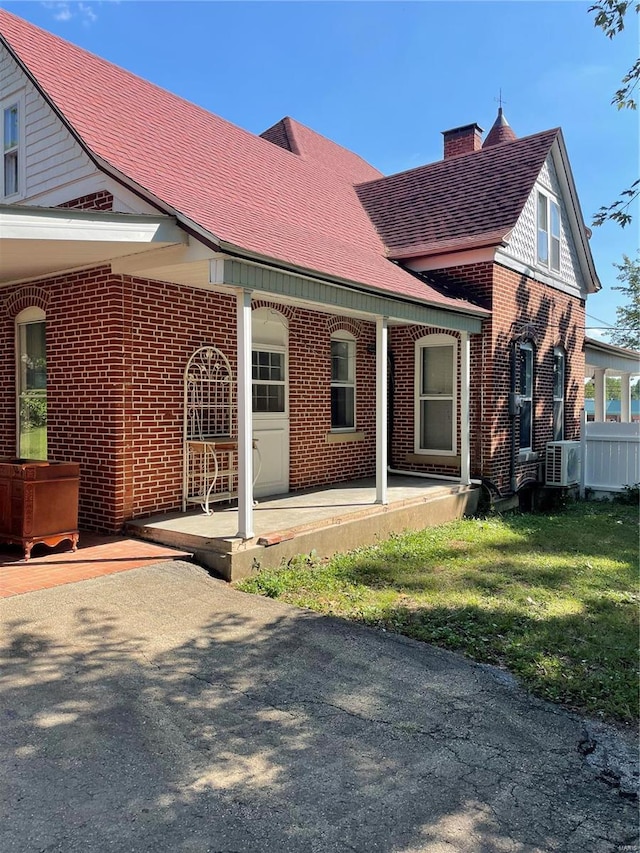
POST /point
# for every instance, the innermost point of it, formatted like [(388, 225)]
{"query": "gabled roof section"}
[(279, 135), (235, 190), (299, 139), (468, 201)]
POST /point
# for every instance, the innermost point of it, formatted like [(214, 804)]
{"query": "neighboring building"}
[(139, 232), (603, 360), (613, 410)]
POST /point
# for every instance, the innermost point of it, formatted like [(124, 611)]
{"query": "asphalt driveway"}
[(160, 710)]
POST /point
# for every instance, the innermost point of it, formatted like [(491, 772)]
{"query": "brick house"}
[(430, 321)]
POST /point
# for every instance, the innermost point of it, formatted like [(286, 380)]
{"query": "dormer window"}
[(11, 140), (12, 175), (548, 232)]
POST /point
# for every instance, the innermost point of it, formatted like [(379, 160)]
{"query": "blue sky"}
[(384, 79)]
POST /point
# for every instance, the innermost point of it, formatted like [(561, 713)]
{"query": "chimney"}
[(462, 140)]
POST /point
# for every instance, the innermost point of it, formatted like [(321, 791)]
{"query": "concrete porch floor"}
[(326, 521)]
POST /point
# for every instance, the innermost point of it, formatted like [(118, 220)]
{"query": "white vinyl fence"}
[(610, 455)]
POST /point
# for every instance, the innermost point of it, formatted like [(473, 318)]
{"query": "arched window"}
[(435, 413), (343, 382), (31, 373), (525, 359), (559, 384)]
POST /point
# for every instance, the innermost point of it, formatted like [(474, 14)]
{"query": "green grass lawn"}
[(33, 443), (553, 598)]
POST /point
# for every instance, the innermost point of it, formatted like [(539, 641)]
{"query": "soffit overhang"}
[(37, 241), (615, 360)]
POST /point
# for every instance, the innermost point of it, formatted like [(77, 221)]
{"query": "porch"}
[(610, 433), (604, 360), (325, 520)]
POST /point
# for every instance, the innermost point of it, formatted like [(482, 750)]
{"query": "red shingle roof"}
[(299, 139), (244, 190), (466, 201)]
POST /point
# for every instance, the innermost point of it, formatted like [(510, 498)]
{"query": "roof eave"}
[(433, 251), (207, 237), (586, 258), (255, 257)]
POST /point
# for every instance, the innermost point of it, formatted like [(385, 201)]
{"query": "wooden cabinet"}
[(38, 502)]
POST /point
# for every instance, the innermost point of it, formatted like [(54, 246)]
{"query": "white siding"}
[(522, 243), (52, 157), (57, 168)]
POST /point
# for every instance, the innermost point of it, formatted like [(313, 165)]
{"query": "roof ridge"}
[(331, 141), (317, 149), (290, 134), (121, 69), (460, 157), (229, 182)]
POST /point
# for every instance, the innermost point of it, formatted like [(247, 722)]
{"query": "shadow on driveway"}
[(160, 710)]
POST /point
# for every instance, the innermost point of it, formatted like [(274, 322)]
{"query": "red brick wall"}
[(402, 343), (164, 325), (101, 200), (84, 388), (519, 305), (313, 461), (117, 348), (526, 309)]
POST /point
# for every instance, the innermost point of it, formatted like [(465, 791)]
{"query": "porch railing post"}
[(625, 398), (465, 380), (600, 393), (382, 407), (245, 425)]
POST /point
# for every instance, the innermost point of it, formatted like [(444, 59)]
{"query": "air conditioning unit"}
[(562, 463)]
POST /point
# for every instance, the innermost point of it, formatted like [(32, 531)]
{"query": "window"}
[(32, 384), (558, 393), (343, 382), (10, 147), (269, 376), (526, 396), (436, 395), (548, 232)]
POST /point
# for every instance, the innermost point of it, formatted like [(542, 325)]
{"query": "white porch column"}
[(625, 398), (245, 419), (600, 387), (382, 408), (465, 429)]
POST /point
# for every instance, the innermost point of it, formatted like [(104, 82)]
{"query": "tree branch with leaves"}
[(610, 17), (627, 331)]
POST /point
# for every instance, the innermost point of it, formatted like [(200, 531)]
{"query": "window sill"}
[(433, 459), (528, 456), (343, 437)]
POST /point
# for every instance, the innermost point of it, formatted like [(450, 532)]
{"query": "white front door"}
[(270, 402)]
